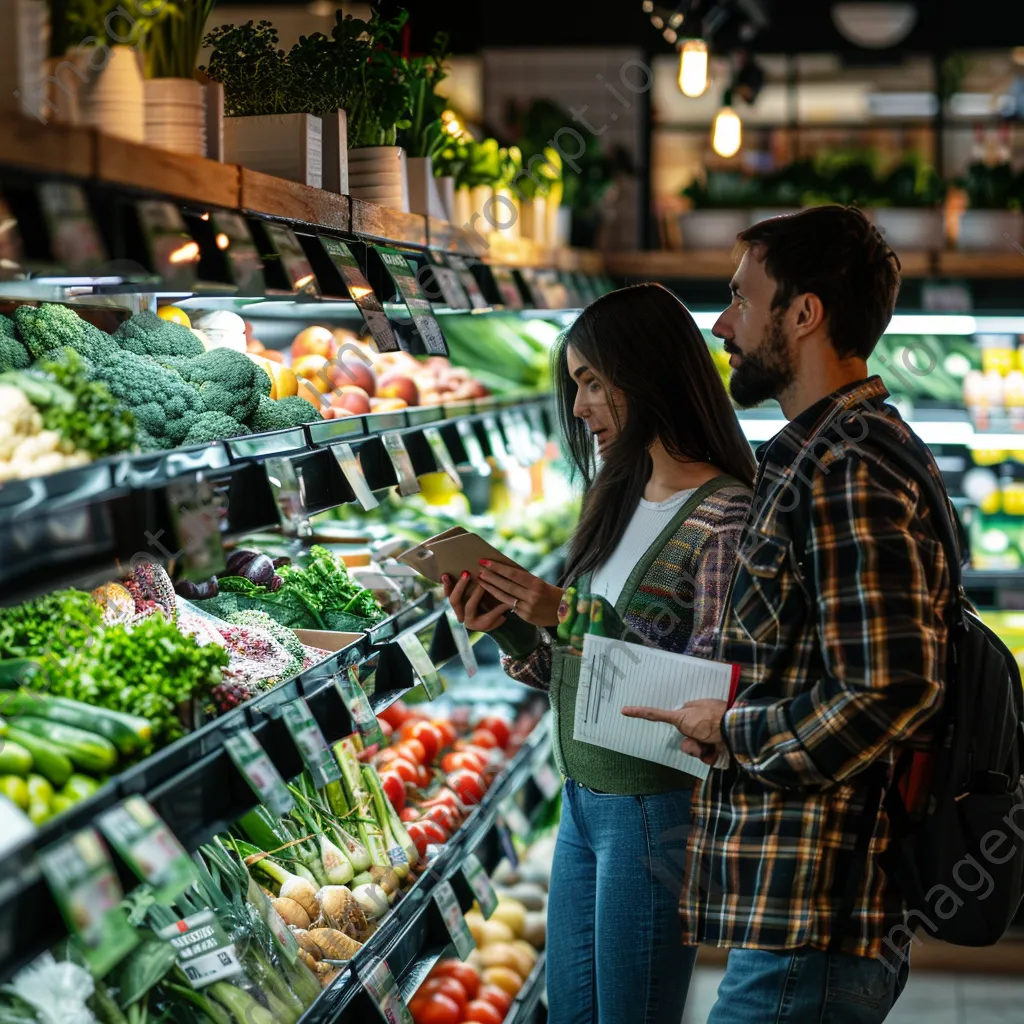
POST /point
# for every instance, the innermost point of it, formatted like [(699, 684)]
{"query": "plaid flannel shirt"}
[(836, 674)]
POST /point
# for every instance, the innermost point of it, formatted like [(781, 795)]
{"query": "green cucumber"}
[(48, 759), (14, 758), (79, 787), (129, 733), (87, 751), (15, 671)]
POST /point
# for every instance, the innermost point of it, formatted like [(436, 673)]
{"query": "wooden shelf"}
[(277, 197), (982, 264), (386, 224)]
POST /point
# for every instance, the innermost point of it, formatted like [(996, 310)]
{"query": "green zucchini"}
[(14, 758), (16, 671), (87, 751), (79, 787), (129, 733), (49, 760)]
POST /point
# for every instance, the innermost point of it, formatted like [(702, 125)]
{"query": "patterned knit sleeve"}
[(716, 564), (525, 652)]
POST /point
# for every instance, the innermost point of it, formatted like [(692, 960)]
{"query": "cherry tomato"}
[(446, 729), (424, 776), (462, 759), (466, 975), (435, 1009), (413, 750), (498, 727), (394, 789), (408, 813), (430, 737), (405, 732), (467, 786), (465, 747), (423, 833), (395, 714), (497, 997), (404, 768), (482, 1012), (483, 738), (444, 796), (444, 816), (385, 757), (451, 987)]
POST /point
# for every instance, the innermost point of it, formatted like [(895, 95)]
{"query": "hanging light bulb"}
[(693, 68), (727, 130)]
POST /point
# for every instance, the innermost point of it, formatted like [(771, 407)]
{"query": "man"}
[(837, 619)]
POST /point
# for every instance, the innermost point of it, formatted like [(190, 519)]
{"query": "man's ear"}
[(809, 314)]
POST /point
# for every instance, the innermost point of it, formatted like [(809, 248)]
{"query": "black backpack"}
[(956, 853)]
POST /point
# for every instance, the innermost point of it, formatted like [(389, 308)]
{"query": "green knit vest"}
[(672, 556)]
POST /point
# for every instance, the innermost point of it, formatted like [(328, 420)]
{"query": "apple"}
[(253, 345), (356, 400), (352, 372), (274, 354), (308, 391), (387, 404), (313, 341), (314, 369), (398, 385)]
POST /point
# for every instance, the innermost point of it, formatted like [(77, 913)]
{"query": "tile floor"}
[(929, 998)]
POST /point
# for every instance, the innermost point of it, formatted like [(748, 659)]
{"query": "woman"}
[(656, 539)]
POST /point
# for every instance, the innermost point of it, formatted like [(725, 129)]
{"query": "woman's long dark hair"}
[(643, 341)]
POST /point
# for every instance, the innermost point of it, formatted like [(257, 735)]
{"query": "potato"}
[(494, 931), (511, 913)]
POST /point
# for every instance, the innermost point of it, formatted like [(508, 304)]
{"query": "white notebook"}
[(616, 674)]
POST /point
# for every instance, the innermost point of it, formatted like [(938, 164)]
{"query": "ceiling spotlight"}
[(657, 22), (727, 131), (693, 68), (648, 6), (676, 20), (670, 35), (875, 26)]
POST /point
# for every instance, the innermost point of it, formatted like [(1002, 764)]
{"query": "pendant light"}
[(727, 129), (693, 68)]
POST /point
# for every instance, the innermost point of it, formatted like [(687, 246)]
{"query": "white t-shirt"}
[(649, 519)]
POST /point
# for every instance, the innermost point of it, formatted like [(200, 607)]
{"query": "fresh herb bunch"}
[(378, 98), (172, 44), (425, 136), (256, 75), (107, 22), (66, 620), (98, 423)]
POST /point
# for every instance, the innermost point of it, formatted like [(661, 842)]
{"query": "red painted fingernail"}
[(465, 575), (485, 561)]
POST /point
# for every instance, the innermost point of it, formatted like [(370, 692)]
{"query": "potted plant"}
[(448, 168), (993, 218), (719, 210), (477, 178), (425, 136), (908, 207), (174, 99)]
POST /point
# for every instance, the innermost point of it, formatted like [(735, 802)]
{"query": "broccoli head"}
[(227, 381), (214, 426), (52, 326), (13, 355), (298, 411), (147, 334)]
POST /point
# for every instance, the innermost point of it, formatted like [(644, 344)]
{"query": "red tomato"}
[(444, 816), (483, 1012), (462, 759), (435, 1009), (403, 768), (451, 987), (405, 732), (384, 757), (467, 786), (409, 814), (423, 833), (444, 796), (462, 972), (500, 729), (483, 738), (412, 750), (497, 997), (394, 789), (430, 737), (446, 729), (385, 727), (395, 714)]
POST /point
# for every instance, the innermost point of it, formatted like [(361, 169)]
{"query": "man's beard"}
[(767, 371)]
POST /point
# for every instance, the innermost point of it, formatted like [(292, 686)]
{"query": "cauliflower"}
[(147, 334)]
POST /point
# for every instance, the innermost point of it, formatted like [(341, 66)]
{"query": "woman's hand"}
[(532, 599), (472, 605)]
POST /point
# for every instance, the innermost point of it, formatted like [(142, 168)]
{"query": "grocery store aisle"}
[(930, 996)]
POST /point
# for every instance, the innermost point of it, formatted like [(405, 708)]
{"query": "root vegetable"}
[(307, 944), (292, 912), (373, 899), (341, 910), (293, 887), (334, 944)]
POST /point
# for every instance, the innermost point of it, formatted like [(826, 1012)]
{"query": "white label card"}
[(399, 456), (474, 873), (454, 919), (259, 771), (442, 456), (349, 463)]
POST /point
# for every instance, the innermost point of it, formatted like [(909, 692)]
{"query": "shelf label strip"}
[(259, 771), (312, 747), (454, 920), (399, 456), (422, 666)]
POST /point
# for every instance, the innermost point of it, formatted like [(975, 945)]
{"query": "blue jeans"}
[(806, 987), (614, 947)]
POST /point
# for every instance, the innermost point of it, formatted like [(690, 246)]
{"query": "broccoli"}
[(13, 355), (227, 381), (52, 326), (214, 426), (298, 411), (147, 334)]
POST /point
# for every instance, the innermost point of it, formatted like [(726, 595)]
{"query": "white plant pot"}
[(479, 197), (990, 230), (423, 191), (712, 229), (285, 145), (213, 93), (910, 229), (534, 219), (336, 153), (176, 115), (112, 98), (376, 174), (462, 207), (446, 191), (504, 214), (562, 232)]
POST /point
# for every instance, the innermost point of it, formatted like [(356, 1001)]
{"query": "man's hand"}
[(699, 721)]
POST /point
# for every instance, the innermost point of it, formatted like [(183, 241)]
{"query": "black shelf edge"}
[(525, 1003)]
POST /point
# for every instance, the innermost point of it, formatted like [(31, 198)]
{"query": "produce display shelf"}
[(524, 1006)]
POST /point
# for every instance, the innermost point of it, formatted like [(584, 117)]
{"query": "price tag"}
[(253, 762), (205, 952), (536, 421), (471, 443), (84, 884), (421, 664), (442, 456), (468, 279), (452, 292), (476, 877), (12, 253), (362, 294), (349, 463), (75, 241), (289, 492), (461, 637), (313, 749), (173, 253), (397, 856), (287, 943), (497, 443), (547, 781), (511, 297), (358, 704), (196, 511), (505, 841), (416, 302), (454, 920), (381, 987), (298, 271), (399, 456), (148, 847), (233, 237)]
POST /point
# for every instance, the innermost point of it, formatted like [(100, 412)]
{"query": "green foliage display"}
[(425, 135)]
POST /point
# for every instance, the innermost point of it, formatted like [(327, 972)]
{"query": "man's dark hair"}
[(837, 254)]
